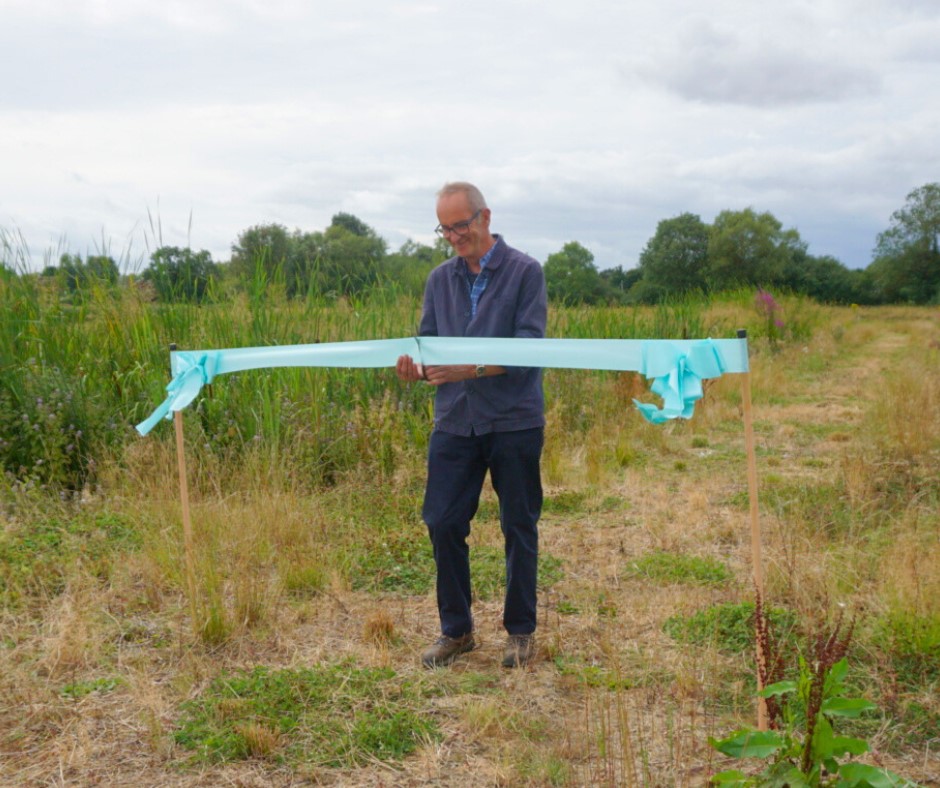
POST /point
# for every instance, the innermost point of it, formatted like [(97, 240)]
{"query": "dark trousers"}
[(457, 467)]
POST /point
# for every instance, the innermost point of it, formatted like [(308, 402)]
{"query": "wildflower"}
[(769, 309), (766, 303)]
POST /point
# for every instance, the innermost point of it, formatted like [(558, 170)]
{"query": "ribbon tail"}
[(183, 389), (162, 411), (651, 413)]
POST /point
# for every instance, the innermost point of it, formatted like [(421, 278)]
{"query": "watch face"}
[(481, 370)]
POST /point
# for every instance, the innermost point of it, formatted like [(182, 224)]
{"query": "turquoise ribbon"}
[(678, 378), (677, 367), (189, 376)]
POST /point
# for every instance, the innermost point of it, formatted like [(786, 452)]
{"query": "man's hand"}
[(408, 370), (449, 373)]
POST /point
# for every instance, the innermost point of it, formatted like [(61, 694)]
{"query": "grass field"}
[(296, 661)]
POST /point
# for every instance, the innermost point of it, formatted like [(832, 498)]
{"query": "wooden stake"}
[(756, 560), (188, 556)]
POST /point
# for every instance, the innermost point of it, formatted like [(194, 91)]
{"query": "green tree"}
[(571, 276), (102, 268), (76, 275), (180, 274), (407, 270), (675, 259), (824, 279), (344, 259), (72, 272), (443, 249), (349, 262), (830, 282), (304, 261), (618, 283), (749, 248), (354, 224), (261, 250), (907, 255)]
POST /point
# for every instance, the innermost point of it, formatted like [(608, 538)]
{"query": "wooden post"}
[(188, 556), (756, 560)]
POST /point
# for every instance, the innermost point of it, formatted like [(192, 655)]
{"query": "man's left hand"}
[(449, 373)]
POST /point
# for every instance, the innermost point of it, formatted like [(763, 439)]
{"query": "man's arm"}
[(532, 305), (531, 310)]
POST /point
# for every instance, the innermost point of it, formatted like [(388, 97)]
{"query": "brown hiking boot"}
[(520, 649), (445, 650)]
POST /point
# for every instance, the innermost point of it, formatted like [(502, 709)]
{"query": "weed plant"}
[(802, 748)]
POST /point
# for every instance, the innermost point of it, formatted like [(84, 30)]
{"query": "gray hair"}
[(474, 195)]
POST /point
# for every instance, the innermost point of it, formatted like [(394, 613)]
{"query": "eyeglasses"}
[(460, 228)]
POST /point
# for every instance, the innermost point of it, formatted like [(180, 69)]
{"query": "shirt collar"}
[(488, 256)]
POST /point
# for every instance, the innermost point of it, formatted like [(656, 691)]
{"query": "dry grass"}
[(611, 700)]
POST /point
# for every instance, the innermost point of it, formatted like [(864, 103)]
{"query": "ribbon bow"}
[(678, 378), (190, 374)]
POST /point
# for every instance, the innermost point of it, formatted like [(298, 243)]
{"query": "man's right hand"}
[(408, 370)]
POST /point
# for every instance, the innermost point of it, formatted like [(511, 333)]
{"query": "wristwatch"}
[(481, 370)]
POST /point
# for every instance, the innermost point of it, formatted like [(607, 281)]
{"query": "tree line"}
[(740, 248)]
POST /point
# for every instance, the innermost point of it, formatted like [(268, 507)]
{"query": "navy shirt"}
[(513, 304)]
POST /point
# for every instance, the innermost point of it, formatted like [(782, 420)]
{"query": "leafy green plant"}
[(47, 424), (802, 749), (806, 751)]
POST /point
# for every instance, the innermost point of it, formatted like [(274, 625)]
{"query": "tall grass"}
[(103, 351)]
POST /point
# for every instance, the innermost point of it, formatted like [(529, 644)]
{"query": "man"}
[(486, 418)]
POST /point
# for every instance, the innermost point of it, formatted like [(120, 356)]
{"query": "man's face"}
[(452, 209)]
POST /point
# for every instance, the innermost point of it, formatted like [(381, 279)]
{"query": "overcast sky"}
[(127, 124)]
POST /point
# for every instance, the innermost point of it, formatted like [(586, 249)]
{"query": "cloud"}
[(590, 121), (916, 42), (717, 64)]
